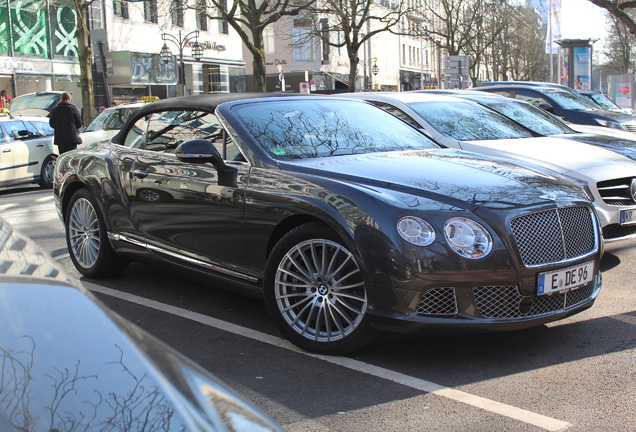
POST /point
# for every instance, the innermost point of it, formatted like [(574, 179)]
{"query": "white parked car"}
[(108, 123), (27, 153), (608, 177)]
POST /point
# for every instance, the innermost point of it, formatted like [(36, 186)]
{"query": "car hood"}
[(613, 115), (624, 147), (454, 177), (563, 156), (68, 362)]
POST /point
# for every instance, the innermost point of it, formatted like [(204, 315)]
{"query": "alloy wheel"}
[(319, 290), (83, 232)]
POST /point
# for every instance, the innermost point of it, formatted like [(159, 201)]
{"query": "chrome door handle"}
[(140, 174)]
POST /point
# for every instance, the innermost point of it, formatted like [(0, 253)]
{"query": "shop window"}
[(4, 28), (216, 79), (237, 79), (150, 11), (120, 8), (29, 30), (63, 21)]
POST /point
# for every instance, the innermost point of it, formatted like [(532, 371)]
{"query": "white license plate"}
[(571, 277), (628, 217)]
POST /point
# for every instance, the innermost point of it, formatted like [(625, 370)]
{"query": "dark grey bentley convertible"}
[(344, 218)]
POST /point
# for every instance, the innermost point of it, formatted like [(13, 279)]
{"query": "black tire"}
[(87, 239), (47, 172), (321, 310)]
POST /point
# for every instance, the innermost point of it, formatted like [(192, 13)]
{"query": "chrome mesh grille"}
[(438, 301), (506, 302), (554, 235)]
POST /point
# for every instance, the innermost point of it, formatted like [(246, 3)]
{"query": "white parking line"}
[(509, 411)]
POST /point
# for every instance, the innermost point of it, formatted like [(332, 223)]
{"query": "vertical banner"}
[(554, 26), (582, 68)]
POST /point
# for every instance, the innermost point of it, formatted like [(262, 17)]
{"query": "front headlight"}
[(416, 231), (611, 124), (468, 238)]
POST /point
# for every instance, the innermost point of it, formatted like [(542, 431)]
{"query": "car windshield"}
[(31, 102), (111, 119), (571, 101), (603, 101), (306, 129), (468, 121), (531, 117)]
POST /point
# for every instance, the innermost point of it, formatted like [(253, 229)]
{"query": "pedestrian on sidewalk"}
[(66, 121)]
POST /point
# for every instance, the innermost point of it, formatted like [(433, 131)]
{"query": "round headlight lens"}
[(416, 231), (468, 238)]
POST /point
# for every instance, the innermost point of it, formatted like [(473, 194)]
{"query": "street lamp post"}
[(181, 42)]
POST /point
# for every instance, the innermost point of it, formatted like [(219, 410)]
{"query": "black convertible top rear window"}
[(310, 129)]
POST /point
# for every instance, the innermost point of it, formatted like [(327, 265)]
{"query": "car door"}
[(6, 158), (29, 148), (187, 211)]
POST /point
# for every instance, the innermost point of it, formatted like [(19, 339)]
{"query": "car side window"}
[(46, 128), (13, 129), (532, 98), (33, 132), (397, 112), (505, 93), (168, 129), (136, 136)]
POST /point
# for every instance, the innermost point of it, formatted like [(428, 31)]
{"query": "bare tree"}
[(356, 21), (85, 54), (620, 10), (620, 47), (249, 18)]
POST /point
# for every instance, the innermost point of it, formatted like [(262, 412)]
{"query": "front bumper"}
[(465, 309)]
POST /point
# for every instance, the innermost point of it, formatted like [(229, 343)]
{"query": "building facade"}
[(38, 48)]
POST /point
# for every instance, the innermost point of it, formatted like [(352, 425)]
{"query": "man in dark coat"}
[(66, 120)]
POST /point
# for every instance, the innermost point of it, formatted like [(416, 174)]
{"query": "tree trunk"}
[(85, 52), (353, 71), (260, 73)]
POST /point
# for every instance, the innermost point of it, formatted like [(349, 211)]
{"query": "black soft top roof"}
[(207, 102)]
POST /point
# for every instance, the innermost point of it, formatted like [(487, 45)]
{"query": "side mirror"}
[(200, 151), (547, 107)]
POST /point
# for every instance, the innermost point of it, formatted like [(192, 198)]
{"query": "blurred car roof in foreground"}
[(69, 363)]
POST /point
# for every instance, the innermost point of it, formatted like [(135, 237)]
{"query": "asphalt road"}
[(578, 374)]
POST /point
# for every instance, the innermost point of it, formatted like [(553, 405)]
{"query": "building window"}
[(324, 29), (202, 16), (223, 26), (150, 11), (120, 8), (176, 13), (268, 40), (302, 40)]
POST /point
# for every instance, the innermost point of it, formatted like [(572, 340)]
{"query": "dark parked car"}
[(342, 216), (68, 363), (604, 102), (567, 104)]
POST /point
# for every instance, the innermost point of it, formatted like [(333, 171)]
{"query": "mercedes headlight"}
[(611, 124), (468, 238), (584, 185), (416, 231)]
